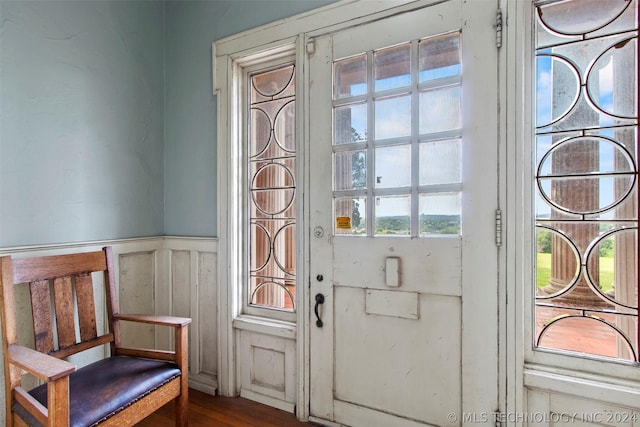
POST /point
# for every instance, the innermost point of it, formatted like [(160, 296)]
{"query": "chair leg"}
[(182, 408)]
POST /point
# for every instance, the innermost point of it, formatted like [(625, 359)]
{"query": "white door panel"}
[(438, 271), (379, 359), (419, 347)]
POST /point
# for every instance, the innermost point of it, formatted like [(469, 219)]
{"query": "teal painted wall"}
[(81, 120), (107, 117), (190, 120)]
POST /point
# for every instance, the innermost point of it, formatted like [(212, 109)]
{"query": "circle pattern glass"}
[(581, 165), (582, 17)]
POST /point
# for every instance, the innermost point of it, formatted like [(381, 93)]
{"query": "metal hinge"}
[(498, 227), (311, 47), (499, 28)]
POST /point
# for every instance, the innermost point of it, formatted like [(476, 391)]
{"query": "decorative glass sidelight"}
[(272, 189), (397, 140), (586, 177)]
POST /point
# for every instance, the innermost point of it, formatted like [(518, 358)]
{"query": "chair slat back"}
[(41, 304), (65, 316), (62, 300), (86, 307)]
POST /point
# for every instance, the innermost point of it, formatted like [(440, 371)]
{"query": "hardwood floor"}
[(207, 410)]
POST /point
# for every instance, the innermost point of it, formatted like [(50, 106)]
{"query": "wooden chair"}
[(119, 390)]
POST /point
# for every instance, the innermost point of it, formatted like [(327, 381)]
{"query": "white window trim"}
[(587, 377), (230, 73), (227, 54), (248, 65), (523, 366)]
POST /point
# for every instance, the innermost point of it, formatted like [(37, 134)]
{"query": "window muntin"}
[(397, 140), (586, 207), (272, 188)]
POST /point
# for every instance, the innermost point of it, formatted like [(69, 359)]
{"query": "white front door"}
[(403, 195)]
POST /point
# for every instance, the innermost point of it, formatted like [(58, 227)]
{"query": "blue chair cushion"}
[(104, 388)]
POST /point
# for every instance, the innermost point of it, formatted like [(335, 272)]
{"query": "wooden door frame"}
[(574, 377), (225, 54)]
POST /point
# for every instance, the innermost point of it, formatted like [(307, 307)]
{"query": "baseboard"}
[(268, 400), (204, 383)]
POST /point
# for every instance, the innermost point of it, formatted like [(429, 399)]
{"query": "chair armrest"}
[(154, 320), (180, 325), (43, 366)]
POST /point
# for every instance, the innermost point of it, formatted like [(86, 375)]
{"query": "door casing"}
[(226, 55), (479, 337)]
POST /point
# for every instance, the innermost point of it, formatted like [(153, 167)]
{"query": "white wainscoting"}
[(156, 275), (192, 291), (266, 361)]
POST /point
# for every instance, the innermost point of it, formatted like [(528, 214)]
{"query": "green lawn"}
[(544, 271)]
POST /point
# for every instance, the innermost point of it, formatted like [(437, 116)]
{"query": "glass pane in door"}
[(397, 138)]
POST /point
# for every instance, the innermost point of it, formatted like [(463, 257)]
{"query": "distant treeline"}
[(432, 224)]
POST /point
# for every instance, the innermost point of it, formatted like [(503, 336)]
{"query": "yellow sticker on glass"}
[(343, 222)]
